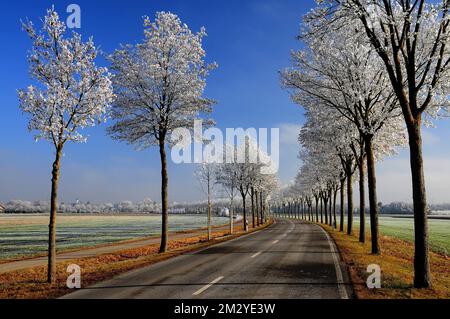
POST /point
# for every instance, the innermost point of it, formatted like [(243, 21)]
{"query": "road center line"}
[(257, 254), (215, 281)]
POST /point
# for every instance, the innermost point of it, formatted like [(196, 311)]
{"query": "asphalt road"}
[(289, 260)]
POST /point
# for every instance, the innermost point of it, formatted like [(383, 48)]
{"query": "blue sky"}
[(249, 39)]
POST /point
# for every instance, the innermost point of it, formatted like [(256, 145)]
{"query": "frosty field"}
[(403, 228), (26, 234)]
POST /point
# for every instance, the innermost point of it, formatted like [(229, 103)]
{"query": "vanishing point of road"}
[(291, 259)]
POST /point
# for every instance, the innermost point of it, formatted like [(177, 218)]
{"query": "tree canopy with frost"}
[(159, 85), (412, 40), (340, 73), (69, 94), (206, 174)]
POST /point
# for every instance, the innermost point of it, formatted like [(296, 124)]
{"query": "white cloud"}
[(289, 133)]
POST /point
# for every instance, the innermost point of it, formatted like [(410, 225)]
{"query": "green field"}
[(26, 234), (403, 228)]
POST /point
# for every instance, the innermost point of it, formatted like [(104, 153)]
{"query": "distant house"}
[(2, 208)]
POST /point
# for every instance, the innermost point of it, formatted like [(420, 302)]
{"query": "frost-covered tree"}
[(226, 177), (247, 174), (340, 71), (70, 93), (411, 38), (159, 85), (206, 174)]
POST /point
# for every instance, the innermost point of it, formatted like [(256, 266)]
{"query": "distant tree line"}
[(21, 206), (408, 208)]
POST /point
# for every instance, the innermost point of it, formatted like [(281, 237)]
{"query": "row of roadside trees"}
[(154, 88), (371, 73), (245, 177)]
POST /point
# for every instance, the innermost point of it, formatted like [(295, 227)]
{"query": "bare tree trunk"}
[(362, 201), (334, 208), (326, 209), (231, 216), (349, 200), (261, 208), (422, 277), (252, 197), (317, 209), (209, 209), (291, 210), (296, 209), (305, 210), (164, 197), (264, 210), (341, 226), (51, 268), (330, 204), (321, 209), (257, 208), (374, 228), (302, 211), (244, 213)]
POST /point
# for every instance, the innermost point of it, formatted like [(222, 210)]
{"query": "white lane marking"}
[(275, 241), (337, 267), (257, 254), (233, 240), (215, 281)]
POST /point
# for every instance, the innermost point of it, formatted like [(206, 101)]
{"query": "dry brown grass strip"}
[(396, 262)]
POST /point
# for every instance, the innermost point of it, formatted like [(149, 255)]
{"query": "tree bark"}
[(422, 277), (349, 199), (231, 216), (321, 209), (244, 213), (330, 206), (373, 202), (362, 201), (289, 210), (264, 210), (164, 197), (51, 268), (209, 210), (257, 208), (317, 209), (261, 211), (303, 202), (341, 226), (252, 197), (334, 208)]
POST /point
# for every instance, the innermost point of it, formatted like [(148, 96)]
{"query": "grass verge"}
[(397, 271), (31, 283)]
